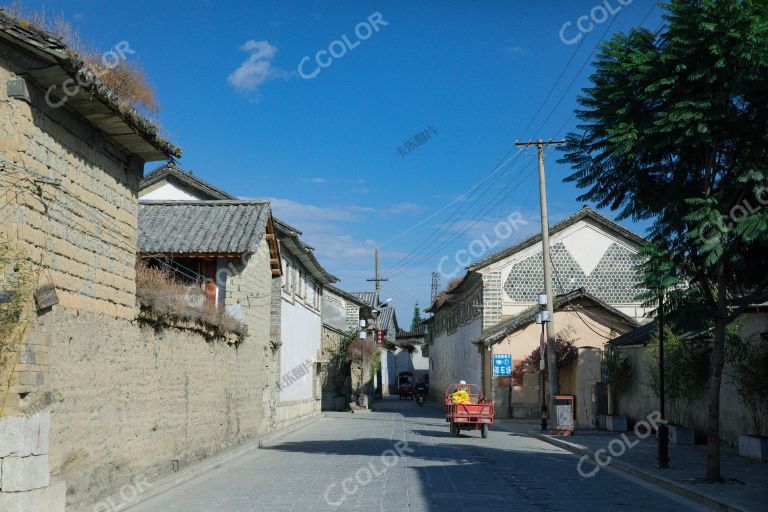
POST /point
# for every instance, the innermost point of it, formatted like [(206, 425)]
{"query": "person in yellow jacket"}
[(461, 395)]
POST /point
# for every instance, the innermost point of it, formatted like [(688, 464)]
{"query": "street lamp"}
[(662, 457), (542, 317)]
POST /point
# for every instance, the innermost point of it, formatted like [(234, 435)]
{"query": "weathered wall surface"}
[(84, 229), (25, 483), (129, 400), (453, 358)]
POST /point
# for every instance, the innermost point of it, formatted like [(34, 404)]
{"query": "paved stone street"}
[(349, 462)]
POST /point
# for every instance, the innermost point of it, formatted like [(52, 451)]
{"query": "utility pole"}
[(662, 454), (551, 344), (435, 286), (377, 279)]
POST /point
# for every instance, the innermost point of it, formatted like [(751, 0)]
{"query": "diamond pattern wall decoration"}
[(613, 279)]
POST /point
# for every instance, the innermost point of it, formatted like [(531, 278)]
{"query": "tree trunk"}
[(717, 361)]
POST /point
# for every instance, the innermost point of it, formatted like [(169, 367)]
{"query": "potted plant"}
[(748, 363), (686, 375), (619, 371)]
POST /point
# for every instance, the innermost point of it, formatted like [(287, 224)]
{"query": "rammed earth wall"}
[(125, 399)]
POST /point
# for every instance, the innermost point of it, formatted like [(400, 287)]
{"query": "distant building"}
[(589, 253), (301, 326)]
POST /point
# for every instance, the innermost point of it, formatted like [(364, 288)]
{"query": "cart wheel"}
[(484, 430), (454, 429)]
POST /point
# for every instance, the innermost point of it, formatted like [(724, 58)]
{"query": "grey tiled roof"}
[(346, 295), (498, 332), (386, 317), (640, 336), (367, 297), (290, 240), (172, 172), (419, 332), (181, 227), (52, 63)]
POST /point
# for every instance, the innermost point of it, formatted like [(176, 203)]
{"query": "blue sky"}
[(325, 149)]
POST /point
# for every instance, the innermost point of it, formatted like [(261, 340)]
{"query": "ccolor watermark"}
[(416, 141), (585, 24), (339, 47), (128, 492), (84, 77), (711, 231), (336, 494), (482, 245), (619, 446)]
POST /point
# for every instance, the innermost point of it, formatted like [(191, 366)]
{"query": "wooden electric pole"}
[(551, 343), (377, 317)]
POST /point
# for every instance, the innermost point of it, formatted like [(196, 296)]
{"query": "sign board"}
[(563, 415), (46, 297), (502, 365), (380, 338)]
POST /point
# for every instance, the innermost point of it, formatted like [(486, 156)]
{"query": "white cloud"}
[(328, 230), (257, 68)]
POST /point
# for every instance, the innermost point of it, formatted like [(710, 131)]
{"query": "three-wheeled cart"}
[(405, 385), (476, 414)]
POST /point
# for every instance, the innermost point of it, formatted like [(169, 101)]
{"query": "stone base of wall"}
[(292, 412), (25, 484)]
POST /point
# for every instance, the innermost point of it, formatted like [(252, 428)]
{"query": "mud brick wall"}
[(83, 230), (129, 398)]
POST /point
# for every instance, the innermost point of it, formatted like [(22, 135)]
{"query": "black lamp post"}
[(662, 457)]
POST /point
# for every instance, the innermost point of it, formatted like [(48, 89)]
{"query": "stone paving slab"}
[(747, 481), (349, 462)]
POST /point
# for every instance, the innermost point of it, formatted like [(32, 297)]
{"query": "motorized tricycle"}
[(468, 410), (405, 385)]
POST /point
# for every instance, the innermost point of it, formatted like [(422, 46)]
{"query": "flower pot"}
[(754, 447), (616, 423), (680, 435)]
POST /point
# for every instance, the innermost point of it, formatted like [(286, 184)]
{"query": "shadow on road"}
[(447, 474)]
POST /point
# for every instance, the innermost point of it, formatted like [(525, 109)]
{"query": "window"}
[(284, 277), (300, 284)]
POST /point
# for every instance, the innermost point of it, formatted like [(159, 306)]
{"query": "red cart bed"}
[(476, 414)]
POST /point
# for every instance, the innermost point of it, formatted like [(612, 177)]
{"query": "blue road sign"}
[(502, 365)]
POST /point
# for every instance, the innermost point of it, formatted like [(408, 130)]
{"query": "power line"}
[(497, 167)]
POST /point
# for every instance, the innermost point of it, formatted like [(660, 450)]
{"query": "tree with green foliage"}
[(674, 129), (416, 320)]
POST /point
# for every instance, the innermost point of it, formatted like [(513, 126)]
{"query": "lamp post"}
[(662, 457), (361, 400), (542, 317)]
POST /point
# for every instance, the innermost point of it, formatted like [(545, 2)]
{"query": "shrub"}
[(749, 371), (160, 293), (619, 375), (566, 354), (686, 372), (126, 79)]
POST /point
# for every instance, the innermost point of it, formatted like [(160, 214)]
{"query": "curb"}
[(168, 482), (665, 483)]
